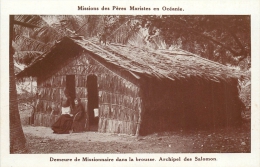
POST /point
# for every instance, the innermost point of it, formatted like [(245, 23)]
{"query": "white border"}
[(191, 7)]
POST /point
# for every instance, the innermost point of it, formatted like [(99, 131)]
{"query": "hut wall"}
[(189, 104), (119, 100)]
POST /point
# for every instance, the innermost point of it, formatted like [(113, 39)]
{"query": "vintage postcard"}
[(159, 83)]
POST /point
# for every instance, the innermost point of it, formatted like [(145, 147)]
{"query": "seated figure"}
[(79, 117), (64, 123)]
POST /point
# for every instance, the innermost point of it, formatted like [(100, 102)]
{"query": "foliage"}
[(245, 93), (225, 39), (26, 57), (26, 97)]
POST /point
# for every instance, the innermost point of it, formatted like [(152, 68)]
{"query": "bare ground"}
[(41, 140)]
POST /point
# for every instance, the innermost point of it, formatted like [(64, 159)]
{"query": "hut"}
[(133, 90)]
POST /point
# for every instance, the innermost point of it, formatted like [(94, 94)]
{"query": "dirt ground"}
[(41, 140)]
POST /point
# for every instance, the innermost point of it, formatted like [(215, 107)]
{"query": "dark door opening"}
[(70, 87), (92, 101)]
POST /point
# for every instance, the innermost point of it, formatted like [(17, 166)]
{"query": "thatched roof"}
[(160, 64)]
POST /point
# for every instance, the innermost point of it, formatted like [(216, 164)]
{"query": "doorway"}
[(92, 101), (70, 87)]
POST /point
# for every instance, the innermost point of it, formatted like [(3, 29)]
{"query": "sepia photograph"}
[(130, 84)]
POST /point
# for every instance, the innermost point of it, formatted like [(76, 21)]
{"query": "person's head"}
[(76, 101)]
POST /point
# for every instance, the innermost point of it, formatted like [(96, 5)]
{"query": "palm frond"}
[(124, 32), (96, 25), (28, 44), (47, 34), (26, 57), (30, 19), (138, 39)]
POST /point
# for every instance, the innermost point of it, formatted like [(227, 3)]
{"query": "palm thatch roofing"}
[(158, 64)]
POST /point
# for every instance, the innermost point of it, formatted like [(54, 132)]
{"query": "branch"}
[(187, 28), (50, 26), (25, 43), (208, 38), (217, 42), (82, 26), (242, 52), (23, 24), (118, 28)]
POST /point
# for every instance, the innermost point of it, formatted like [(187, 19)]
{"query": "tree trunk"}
[(17, 138)]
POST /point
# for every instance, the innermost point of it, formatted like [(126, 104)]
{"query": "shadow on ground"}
[(41, 140)]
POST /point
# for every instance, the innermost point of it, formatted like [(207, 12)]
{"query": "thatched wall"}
[(189, 104), (120, 105), (119, 99)]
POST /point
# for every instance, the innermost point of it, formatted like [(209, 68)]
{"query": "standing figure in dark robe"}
[(79, 117), (64, 123)]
